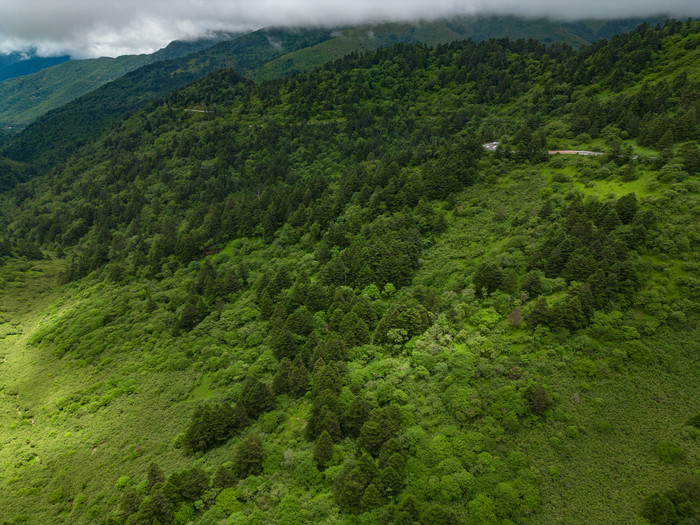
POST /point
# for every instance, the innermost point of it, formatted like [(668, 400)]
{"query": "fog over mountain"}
[(85, 28)]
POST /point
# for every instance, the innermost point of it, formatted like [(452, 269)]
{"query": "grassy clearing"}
[(66, 435), (611, 434), (646, 184)]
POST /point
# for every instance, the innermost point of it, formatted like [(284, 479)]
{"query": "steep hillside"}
[(12, 173), (320, 300), (28, 97)]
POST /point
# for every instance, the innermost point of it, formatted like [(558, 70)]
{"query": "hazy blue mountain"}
[(18, 64)]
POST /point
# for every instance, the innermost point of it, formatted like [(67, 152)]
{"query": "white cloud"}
[(113, 27)]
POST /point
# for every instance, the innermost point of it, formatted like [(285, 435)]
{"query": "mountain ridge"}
[(37, 142), (18, 63), (24, 98)]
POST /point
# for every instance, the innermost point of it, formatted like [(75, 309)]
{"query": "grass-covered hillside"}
[(320, 300)]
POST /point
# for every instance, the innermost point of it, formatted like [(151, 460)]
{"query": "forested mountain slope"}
[(55, 135), (263, 55), (24, 99), (358, 39), (319, 299), (596, 29)]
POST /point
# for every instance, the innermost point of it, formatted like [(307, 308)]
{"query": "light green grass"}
[(646, 184), (55, 434), (620, 419)]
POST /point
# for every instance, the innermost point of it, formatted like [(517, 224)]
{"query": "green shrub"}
[(122, 482), (669, 452), (228, 501)]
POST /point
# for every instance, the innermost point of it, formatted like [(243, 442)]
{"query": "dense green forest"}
[(319, 299), (54, 136), (266, 54)]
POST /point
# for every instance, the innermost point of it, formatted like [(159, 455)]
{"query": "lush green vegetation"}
[(263, 55), (358, 39), (35, 93), (592, 30), (60, 132), (319, 300), (31, 97)]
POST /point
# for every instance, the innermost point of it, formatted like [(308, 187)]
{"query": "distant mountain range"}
[(24, 98), (18, 64), (479, 28)]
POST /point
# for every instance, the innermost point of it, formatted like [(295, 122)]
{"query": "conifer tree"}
[(157, 508), (355, 416), (371, 499), (131, 499), (224, 477), (371, 436), (626, 207), (189, 317), (154, 475), (248, 457), (539, 313), (323, 450), (390, 481), (368, 468), (354, 330), (408, 511), (280, 382), (190, 483), (348, 489), (298, 380), (256, 397)]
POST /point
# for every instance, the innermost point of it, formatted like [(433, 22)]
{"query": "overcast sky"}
[(88, 28)]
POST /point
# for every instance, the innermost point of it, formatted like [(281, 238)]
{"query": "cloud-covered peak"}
[(90, 28)]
